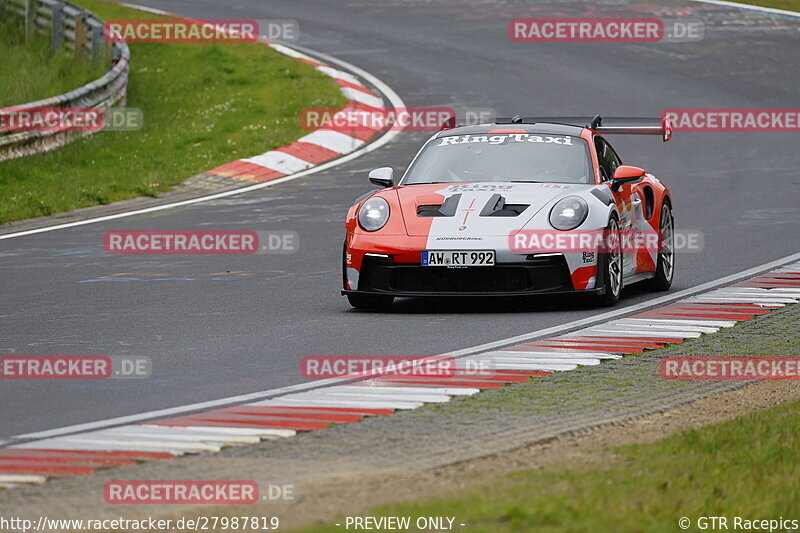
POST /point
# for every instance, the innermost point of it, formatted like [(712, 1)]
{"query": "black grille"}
[(442, 279), (540, 275)]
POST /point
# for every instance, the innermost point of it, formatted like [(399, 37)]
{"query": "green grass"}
[(30, 73), (203, 105), (746, 467), (789, 5)]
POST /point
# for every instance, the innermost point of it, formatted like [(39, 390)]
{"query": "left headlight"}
[(374, 214), (569, 213)]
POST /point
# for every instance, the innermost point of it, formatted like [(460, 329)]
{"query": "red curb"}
[(481, 375), (715, 316), (230, 421), (660, 340), (362, 134), (344, 83), (586, 340), (311, 62), (30, 468), (313, 153), (309, 415), (117, 453), (352, 410), (21, 454), (611, 348), (442, 383), (576, 349)]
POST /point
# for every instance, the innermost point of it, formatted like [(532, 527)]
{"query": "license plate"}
[(458, 258)]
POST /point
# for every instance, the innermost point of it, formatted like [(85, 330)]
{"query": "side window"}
[(613, 159), (607, 157), (602, 157)]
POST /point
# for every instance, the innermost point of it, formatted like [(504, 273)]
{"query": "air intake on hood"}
[(446, 209), (497, 207)]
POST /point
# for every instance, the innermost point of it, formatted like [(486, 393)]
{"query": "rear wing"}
[(608, 125)]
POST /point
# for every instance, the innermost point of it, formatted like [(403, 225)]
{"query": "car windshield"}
[(519, 157)]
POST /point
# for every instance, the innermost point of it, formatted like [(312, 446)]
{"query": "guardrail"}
[(80, 32)]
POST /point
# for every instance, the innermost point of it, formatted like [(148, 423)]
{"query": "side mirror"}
[(448, 124), (382, 176), (626, 174)]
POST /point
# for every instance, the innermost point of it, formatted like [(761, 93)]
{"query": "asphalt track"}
[(218, 326)]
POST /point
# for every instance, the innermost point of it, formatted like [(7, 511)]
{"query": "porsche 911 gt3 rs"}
[(523, 206)]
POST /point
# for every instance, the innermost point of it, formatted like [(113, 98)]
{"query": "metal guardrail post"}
[(96, 39), (57, 28), (80, 35), (30, 19), (107, 51)]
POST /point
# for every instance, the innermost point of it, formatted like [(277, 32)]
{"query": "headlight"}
[(374, 214), (569, 213)]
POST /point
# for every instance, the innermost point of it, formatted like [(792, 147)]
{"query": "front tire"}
[(610, 265), (370, 302), (665, 266)]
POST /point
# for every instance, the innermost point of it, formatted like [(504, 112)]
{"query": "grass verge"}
[(789, 5), (746, 467), (30, 73), (203, 105)]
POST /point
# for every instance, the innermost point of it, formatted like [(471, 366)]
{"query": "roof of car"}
[(546, 128)]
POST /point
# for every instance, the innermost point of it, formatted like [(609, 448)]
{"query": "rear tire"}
[(610, 264), (370, 301), (665, 265)]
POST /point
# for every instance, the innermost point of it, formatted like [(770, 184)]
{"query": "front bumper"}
[(544, 275)]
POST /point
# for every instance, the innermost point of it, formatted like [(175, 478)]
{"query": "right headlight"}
[(569, 213), (374, 214)]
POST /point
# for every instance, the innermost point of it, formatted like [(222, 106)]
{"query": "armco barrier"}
[(80, 32)]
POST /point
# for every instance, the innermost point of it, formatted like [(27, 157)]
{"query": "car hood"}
[(479, 209)]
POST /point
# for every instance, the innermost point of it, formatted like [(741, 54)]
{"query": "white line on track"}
[(749, 7), (270, 395), (148, 9), (387, 91)]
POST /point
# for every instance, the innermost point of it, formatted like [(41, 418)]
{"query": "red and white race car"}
[(518, 207)]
